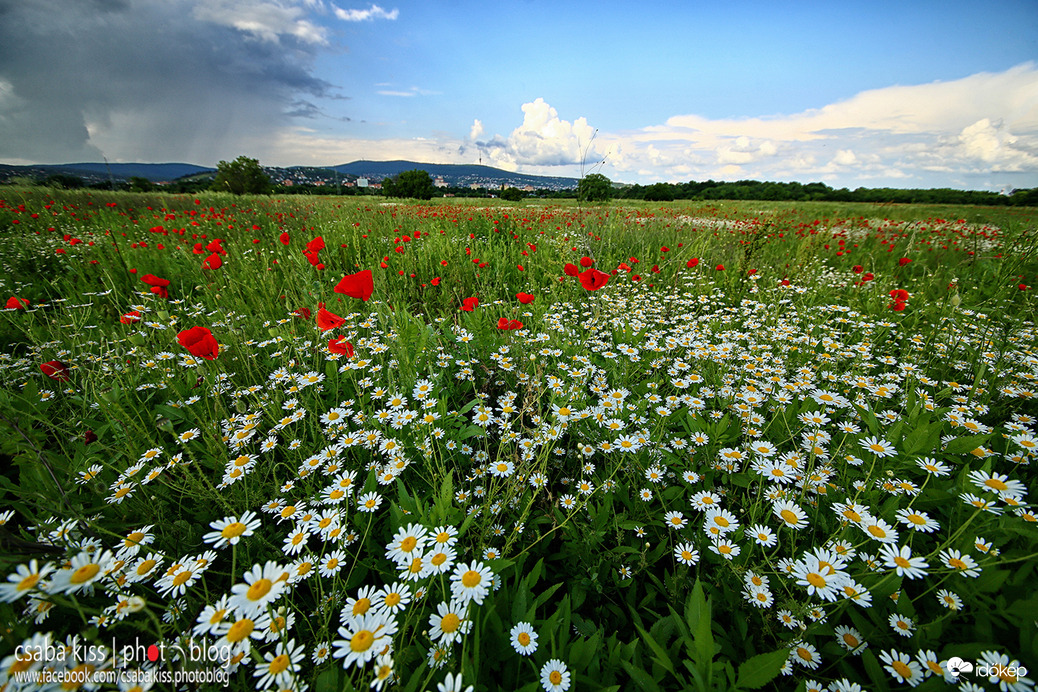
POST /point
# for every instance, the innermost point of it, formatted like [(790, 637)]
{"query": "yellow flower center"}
[(240, 630), (471, 579), (816, 580), (362, 641), (902, 669), (233, 530), (450, 623), (259, 589), (279, 664), (85, 573)]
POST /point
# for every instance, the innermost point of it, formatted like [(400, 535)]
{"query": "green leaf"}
[(328, 681), (580, 658), (965, 445), (761, 669), (660, 656), (642, 679), (876, 675)]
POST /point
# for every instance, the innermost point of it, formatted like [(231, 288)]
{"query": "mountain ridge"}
[(453, 174)]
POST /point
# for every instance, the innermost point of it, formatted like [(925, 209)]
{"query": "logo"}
[(957, 666)]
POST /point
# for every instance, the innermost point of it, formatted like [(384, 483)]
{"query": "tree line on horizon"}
[(245, 176)]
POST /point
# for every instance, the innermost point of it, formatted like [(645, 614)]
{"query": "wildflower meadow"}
[(305, 443)]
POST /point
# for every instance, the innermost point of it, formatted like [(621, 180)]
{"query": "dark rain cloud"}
[(147, 78)]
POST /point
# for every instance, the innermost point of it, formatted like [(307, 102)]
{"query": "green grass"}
[(746, 356)]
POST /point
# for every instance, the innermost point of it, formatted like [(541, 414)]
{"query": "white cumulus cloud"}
[(544, 139), (373, 12)]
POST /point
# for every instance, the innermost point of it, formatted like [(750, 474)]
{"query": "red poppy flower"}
[(56, 370), (213, 261), (592, 279), (302, 312), (571, 269), (315, 245), (200, 342), (283, 238), (586, 262), (215, 246), (16, 303), (359, 285), (327, 320), (341, 346), (130, 317), (507, 324), (158, 286), (857, 269), (719, 267), (435, 281), (153, 280), (89, 437), (524, 298), (900, 297), (469, 303), (903, 261), (692, 262)]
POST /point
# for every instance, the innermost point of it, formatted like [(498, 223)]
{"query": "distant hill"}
[(155, 172), (459, 175), (454, 175), (151, 171)]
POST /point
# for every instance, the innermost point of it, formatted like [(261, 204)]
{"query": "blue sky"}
[(907, 94)]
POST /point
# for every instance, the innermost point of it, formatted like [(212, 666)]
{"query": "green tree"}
[(659, 192), (414, 184), (512, 194), (241, 176), (139, 184), (594, 187)]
